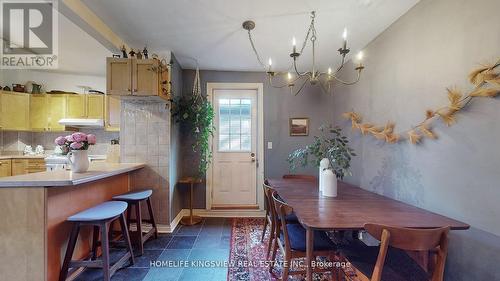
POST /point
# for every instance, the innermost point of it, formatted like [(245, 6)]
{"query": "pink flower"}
[(60, 140), (79, 137), (76, 145), (91, 139), (69, 138)]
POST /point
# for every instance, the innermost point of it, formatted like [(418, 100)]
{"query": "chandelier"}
[(315, 77)]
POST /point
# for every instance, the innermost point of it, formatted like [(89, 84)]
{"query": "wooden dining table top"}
[(353, 208)]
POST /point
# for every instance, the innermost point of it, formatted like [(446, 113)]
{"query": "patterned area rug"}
[(247, 256)]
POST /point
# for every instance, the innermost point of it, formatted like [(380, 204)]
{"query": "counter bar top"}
[(96, 171)]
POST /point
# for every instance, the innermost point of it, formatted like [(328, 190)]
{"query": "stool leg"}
[(129, 213), (125, 234), (69, 251), (105, 250), (95, 242), (152, 217), (138, 218)]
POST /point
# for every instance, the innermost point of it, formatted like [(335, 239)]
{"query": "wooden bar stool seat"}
[(134, 199), (100, 217)]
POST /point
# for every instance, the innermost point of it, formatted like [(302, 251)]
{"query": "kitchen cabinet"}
[(39, 119), (113, 108), (95, 106), (57, 111), (5, 167), (137, 77), (15, 111), (118, 76), (75, 106)]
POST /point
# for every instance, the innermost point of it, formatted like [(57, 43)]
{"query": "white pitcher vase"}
[(329, 183), (323, 164), (79, 160)]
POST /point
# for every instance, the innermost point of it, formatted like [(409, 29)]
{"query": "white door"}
[(234, 168)]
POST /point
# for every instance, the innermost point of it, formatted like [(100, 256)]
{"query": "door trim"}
[(259, 87)]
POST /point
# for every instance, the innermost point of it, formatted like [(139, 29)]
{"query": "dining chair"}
[(299, 177), (390, 261), (291, 240)]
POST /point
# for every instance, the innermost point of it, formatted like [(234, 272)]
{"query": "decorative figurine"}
[(139, 54), (154, 56), (132, 53), (124, 52), (145, 52)]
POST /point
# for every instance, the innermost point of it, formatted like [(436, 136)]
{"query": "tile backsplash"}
[(14, 142)]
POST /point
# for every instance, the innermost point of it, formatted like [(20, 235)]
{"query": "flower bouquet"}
[(76, 145)]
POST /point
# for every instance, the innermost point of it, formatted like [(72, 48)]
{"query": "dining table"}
[(351, 210)]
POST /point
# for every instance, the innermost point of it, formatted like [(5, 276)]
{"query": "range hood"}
[(82, 123)]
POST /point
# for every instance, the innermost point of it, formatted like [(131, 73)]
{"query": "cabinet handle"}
[(128, 89), (135, 90)]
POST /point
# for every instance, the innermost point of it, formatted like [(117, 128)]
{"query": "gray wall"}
[(279, 106), (434, 46)]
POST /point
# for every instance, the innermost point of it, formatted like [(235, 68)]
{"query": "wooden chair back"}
[(282, 210), (268, 194), (410, 239), (299, 177)]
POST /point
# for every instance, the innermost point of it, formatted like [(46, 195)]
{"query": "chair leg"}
[(152, 217), (123, 225), (286, 267), (273, 257), (265, 227), (272, 235), (105, 251), (95, 242), (138, 218), (69, 251)]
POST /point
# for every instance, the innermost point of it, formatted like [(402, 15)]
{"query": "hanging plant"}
[(197, 113)]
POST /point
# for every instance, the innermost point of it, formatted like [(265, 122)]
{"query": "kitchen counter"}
[(34, 210), (61, 178), (39, 156)]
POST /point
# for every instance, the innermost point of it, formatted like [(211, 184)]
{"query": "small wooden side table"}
[(191, 219)]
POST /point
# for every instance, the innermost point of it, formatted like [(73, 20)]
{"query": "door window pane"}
[(235, 125)]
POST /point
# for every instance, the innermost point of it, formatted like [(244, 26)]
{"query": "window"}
[(235, 124)]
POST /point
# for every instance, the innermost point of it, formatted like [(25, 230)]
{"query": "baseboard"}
[(165, 228)]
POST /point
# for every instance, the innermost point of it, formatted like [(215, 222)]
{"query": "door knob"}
[(253, 156)]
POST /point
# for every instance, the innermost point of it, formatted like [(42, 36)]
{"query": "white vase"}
[(79, 160), (329, 183), (323, 164)]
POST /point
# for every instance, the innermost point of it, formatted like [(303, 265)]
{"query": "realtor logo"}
[(29, 34)]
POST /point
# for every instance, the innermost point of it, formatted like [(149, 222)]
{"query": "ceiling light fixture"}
[(324, 79)]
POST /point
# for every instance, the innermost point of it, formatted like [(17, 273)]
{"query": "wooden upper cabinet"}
[(57, 111), (15, 111), (39, 118), (95, 106), (144, 77), (75, 106), (118, 76), (113, 108)]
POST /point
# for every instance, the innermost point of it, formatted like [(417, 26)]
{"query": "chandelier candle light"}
[(324, 79)]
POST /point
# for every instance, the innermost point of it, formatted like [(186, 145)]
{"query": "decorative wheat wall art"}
[(486, 81)]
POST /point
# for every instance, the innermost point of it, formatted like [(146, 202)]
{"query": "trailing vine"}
[(197, 113)]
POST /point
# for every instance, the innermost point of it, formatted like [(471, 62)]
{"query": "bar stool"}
[(99, 216), (134, 199)]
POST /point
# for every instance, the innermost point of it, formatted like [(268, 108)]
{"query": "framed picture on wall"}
[(299, 126)]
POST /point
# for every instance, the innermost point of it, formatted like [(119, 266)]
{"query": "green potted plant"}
[(330, 151)]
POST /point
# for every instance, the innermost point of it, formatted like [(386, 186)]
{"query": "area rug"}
[(247, 258)]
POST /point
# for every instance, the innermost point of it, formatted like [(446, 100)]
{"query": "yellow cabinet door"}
[(57, 111), (145, 77), (118, 76), (95, 106), (75, 106), (113, 108), (15, 111), (19, 166), (39, 119), (5, 168)]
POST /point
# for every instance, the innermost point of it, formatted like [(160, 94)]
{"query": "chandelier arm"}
[(297, 71), (284, 85), (301, 86), (325, 91), (346, 82)]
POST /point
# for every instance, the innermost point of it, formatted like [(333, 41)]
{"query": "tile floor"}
[(207, 241)]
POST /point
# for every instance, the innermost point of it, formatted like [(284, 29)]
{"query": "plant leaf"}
[(485, 92), (414, 137)]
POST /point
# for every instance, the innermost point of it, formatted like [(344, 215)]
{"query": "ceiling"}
[(211, 32)]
